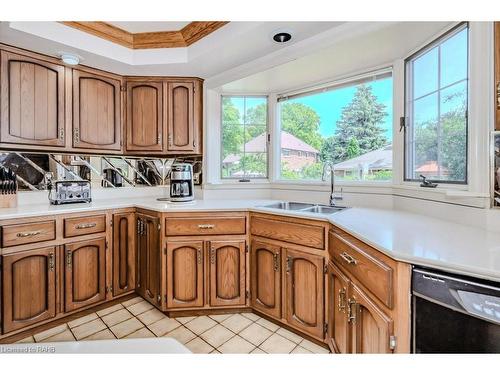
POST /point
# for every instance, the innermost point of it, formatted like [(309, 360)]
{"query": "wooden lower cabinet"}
[(29, 288), (338, 326), (149, 258), (371, 328), (84, 273), (305, 291), (227, 273), (265, 266), (124, 253), (185, 274)]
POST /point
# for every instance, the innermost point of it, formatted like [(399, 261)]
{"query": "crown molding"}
[(188, 35)]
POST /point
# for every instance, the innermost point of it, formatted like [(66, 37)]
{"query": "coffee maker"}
[(181, 182)]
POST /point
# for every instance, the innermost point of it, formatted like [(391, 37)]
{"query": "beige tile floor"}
[(136, 318)]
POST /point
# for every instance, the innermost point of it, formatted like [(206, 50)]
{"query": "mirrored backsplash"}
[(34, 170)]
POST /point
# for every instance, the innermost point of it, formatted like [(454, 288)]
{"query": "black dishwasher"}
[(454, 314)]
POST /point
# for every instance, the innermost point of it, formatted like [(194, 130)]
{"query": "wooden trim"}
[(188, 35)]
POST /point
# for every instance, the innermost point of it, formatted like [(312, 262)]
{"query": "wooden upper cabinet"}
[(32, 101), (149, 258), (338, 295), (124, 253), (304, 292), (371, 328), (227, 273), (145, 121), (29, 288), (96, 111), (85, 273), (184, 274), (266, 278), (182, 132)]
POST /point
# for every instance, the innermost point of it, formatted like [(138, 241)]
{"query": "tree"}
[(358, 130), (302, 122), (232, 132)]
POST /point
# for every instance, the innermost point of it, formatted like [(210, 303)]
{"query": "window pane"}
[(233, 139), (232, 110), (425, 68), (256, 111), (454, 59), (349, 126), (232, 166)]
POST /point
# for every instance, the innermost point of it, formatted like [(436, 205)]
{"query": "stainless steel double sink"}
[(305, 207)]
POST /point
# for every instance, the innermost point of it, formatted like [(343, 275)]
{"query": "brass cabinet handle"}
[(159, 139), (206, 226), (51, 262), (199, 256), (61, 134), (348, 258), (86, 226), (69, 258), (341, 304), (28, 234), (288, 264), (276, 262), (170, 141), (351, 310), (498, 95), (212, 255), (76, 135)]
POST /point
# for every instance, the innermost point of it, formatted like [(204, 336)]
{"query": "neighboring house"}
[(431, 170), (295, 153), (366, 164)]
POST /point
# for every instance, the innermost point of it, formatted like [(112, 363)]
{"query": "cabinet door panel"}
[(371, 327), (32, 101), (305, 292), (145, 116), (85, 273), (338, 327), (184, 274), (181, 127), (29, 288), (148, 242), (227, 273), (266, 278), (124, 253), (96, 111)]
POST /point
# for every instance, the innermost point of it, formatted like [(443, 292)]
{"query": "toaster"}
[(66, 191)]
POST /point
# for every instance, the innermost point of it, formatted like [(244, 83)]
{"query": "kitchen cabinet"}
[(338, 326), (227, 273), (32, 101), (97, 121), (145, 117), (185, 274), (265, 268), (304, 291), (29, 287), (84, 273), (124, 253), (181, 116), (149, 258)]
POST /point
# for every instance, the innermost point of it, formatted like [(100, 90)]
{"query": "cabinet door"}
[(304, 292), (227, 273), (124, 253), (338, 326), (32, 101), (144, 116), (96, 111), (266, 278), (184, 274), (85, 273), (371, 328), (181, 125), (29, 288), (149, 255)]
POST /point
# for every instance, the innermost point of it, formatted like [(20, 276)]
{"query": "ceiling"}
[(149, 27)]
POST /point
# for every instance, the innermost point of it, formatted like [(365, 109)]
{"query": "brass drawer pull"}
[(206, 226), (51, 262), (341, 304), (29, 234), (86, 226), (348, 258), (351, 310)]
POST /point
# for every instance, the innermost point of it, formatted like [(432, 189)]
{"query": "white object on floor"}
[(159, 345)]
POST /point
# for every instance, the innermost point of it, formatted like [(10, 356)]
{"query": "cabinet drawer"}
[(375, 275), (309, 235), (78, 226), (20, 234), (184, 226)]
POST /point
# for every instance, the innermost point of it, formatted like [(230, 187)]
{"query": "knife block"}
[(8, 200)]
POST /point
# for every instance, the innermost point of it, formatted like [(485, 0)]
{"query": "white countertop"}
[(404, 236)]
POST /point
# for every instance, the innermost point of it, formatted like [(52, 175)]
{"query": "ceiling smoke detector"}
[(70, 58), (282, 36)]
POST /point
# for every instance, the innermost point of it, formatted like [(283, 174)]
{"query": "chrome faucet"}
[(333, 198)]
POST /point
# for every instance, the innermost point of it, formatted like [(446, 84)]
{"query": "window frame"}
[(374, 74), (245, 179), (407, 113)]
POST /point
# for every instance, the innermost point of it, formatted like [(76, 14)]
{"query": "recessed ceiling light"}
[(282, 36), (70, 58)]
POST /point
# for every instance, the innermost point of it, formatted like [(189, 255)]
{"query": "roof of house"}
[(431, 167), (377, 159)]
